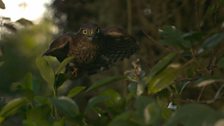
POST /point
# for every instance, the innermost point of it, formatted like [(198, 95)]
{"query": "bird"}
[(93, 48)]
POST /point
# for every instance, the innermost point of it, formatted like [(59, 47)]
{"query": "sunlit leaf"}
[(104, 82), (11, 107), (162, 64), (63, 64), (194, 115), (66, 106), (163, 79), (46, 71), (205, 83), (74, 91)]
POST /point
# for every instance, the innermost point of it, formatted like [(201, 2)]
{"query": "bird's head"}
[(89, 30)]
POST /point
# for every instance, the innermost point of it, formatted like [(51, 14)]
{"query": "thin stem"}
[(199, 65), (129, 14), (201, 92), (155, 42)]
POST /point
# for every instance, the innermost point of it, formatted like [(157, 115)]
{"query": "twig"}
[(197, 62), (200, 94), (154, 41), (129, 14)]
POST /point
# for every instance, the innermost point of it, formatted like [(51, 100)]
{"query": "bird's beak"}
[(90, 38)]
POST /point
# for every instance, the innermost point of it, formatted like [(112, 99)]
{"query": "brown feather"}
[(92, 50)]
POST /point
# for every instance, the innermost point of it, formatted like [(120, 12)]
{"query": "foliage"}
[(177, 80)]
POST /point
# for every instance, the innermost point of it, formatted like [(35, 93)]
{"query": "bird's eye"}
[(84, 31)]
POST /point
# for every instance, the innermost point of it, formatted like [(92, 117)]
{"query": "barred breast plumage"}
[(84, 51)]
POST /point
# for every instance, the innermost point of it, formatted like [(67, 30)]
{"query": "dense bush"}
[(175, 79)]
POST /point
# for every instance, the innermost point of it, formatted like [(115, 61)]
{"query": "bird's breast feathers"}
[(84, 51)]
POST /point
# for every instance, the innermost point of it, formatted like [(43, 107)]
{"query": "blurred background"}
[(180, 60), (28, 26)]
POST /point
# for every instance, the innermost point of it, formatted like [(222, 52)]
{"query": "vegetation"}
[(176, 78)]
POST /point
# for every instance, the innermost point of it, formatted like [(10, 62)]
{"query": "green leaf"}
[(42, 100), (60, 122), (26, 84), (104, 82), (163, 79), (141, 102), (62, 65), (194, 115), (172, 36), (193, 36), (95, 101), (11, 107), (148, 110), (114, 96), (37, 117), (162, 64), (123, 123), (153, 114), (60, 79), (66, 106), (126, 119), (213, 40), (46, 72), (74, 91)]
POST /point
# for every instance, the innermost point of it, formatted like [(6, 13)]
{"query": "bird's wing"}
[(117, 44), (59, 43), (59, 46), (114, 45)]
